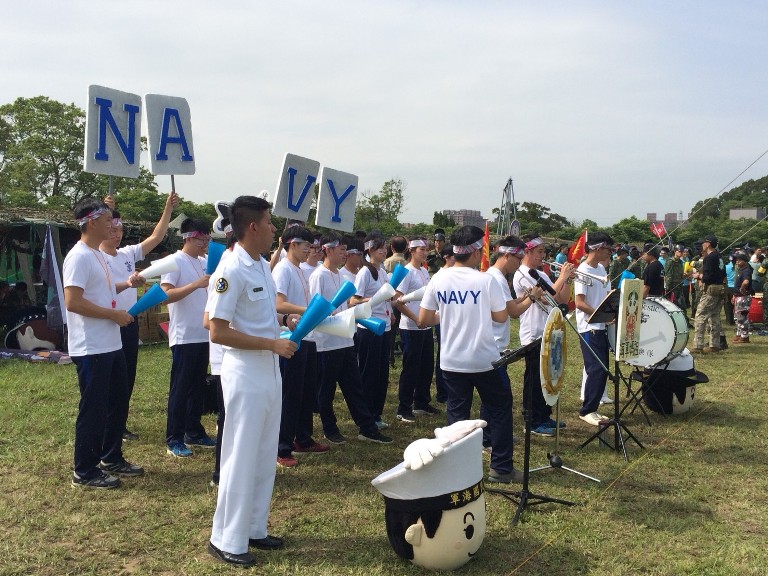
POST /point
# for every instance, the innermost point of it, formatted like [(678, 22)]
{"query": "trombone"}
[(582, 277)]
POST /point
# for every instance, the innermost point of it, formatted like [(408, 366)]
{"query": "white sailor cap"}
[(452, 480)]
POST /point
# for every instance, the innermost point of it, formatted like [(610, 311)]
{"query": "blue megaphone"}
[(152, 297), (215, 252), (345, 292), (375, 325), (398, 275)]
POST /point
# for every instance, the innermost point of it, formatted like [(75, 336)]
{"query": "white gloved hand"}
[(458, 430), (421, 452)]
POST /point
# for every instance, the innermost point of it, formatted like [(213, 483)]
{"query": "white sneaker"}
[(606, 400), (593, 419)]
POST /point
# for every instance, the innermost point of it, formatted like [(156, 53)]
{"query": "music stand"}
[(608, 311), (524, 497)]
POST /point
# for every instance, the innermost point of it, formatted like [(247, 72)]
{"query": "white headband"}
[(93, 215), (533, 243), (468, 249), (418, 243), (509, 250), (195, 234), (331, 244)]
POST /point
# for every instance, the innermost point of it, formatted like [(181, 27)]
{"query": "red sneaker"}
[(288, 462), (314, 448)]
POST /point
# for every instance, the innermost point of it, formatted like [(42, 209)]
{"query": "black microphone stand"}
[(523, 497)]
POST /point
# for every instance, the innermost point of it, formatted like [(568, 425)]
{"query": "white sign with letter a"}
[(337, 200), (169, 127), (112, 132), (296, 188)]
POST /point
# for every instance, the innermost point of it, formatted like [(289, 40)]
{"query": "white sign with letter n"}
[(112, 132), (337, 200)]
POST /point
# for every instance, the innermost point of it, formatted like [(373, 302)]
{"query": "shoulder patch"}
[(221, 285)]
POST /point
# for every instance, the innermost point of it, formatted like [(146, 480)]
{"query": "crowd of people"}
[(269, 388)]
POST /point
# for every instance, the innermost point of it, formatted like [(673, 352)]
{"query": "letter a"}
[(165, 139)]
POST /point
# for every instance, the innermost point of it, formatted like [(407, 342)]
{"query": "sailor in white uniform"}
[(242, 315)]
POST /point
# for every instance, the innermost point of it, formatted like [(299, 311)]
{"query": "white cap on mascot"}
[(434, 499)]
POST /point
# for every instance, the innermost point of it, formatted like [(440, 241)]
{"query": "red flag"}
[(485, 263), (577, 251), (658, 229)]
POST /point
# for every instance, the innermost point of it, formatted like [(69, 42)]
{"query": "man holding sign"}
[(94, 344)]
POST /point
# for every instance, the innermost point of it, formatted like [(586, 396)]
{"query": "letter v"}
[(296, 206)]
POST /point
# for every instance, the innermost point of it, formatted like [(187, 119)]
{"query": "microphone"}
[(543, 284)]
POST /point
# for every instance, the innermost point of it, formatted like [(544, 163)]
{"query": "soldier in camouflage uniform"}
[(673, 278), (618, 265), (434, 260)]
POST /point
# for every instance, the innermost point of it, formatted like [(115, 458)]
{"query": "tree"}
[(381, 211), (443, 221), (41, 156)]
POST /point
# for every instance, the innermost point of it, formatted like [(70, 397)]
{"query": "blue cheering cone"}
[(398, 275), (318, 310), (375, 325), (152, 297), (215, 252), (346, 291)]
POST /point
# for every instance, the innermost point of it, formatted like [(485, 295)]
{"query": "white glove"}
[(458, 430), (421, 452)]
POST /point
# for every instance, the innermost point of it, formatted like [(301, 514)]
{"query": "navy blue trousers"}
[(440, 390), (533, 397), (299, 395), (129, 335), (484, 415), (373, 359), (102, 411), (340, 366), (596, 374), (189, 369), (418, 366), (497, 404)]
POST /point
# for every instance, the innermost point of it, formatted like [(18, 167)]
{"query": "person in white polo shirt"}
[(94, 321)]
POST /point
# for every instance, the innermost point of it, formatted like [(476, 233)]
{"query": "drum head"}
[(663, 332)]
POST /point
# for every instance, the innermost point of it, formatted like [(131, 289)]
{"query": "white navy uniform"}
[(244, 295)]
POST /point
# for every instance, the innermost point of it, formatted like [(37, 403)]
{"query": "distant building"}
[(670, 218), (749, 213), (466, 217), (650, 216)]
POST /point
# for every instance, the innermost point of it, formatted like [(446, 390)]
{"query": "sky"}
[(597, 110)]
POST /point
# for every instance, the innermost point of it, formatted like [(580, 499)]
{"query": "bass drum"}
[(663, 332)]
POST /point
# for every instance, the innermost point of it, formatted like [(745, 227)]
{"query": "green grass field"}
[(695, 501)]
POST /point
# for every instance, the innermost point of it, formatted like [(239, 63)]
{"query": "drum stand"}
[(523, 497), (618, 426)]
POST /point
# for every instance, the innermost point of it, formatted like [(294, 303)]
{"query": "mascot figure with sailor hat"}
[(434, 500)]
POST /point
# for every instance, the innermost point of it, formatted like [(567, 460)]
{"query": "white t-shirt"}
[(366, 286), (244, 294), (186, 315), (465, 299), (346, 274), (501, 329), (292, 283), (594, 294), (415, 279), (533, 319), (124, 264), (327, 283), (90, 270)]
